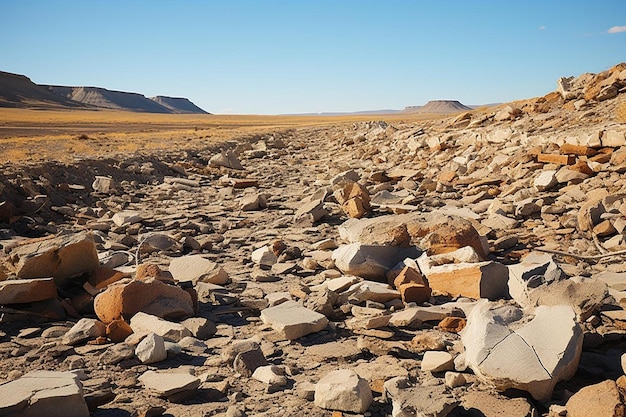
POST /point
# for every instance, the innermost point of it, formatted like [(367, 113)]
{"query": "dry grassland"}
[(63, 135)]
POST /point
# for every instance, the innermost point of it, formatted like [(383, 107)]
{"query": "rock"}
[(545, 181), (104, 185), (143, 323), (418, 401), (584, 295), (126, 218), (272, 375), (62, 258), (85, 329), (454, 379), (116, 354), (125, 299), (510, 354), (354, 199), (253, 202), (490, 405), (151, 349), (264, 257), (18, 291), (168, 383), (534, 270), (437, 361), (200, 327), (599, 400), (443, 234), (310, 212), (225, 159), (371, 291), (414, 293), (343, 390), (452, 324), (196, 268), (118, 330), (245, 356), (370, 261), (43, 393), (292, 321)]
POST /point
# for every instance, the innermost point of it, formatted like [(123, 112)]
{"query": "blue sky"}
[(271, 57)]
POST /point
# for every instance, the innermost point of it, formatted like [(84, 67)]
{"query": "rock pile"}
[(433, 268)]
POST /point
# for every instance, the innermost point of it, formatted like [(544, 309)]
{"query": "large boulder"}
[(62, 258), (505, 350), (124, 299)]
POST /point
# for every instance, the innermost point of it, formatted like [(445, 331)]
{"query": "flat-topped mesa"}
[(438, 106)]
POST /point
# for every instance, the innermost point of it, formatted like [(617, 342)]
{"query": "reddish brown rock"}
[(599, 400), (447, 235), (452, 324), (124, 300), (118, 330), (103, 277), (414, 293), (556, 159), (18, 291)]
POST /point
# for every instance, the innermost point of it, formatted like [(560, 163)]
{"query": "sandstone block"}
[(126, 218), (143, 323), (17, 291), (196, 268), (545, 181), (85, 329), (292, 321), (415, 293), (118, 330), (572, 149), (343, 390), (437, 361), (168, 383), (370, 261), (598, 400), (125, 299), (556, 159), (264, 257), (410, 400)]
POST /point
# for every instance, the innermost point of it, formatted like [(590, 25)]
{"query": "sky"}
[(297, 56)]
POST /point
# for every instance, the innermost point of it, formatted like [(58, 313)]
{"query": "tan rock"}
[(124, 300), (17, 291), (571, 149), (556, 159), (408, 275), (452, 324), (414, 293), (448, 234), (475, 280), (103, 277), (599, 400), (118, 330)]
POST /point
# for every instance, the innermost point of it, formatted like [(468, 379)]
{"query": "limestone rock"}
[(104, 185), (62, 258), (408, 400), (534, 270), (143, 323), (253, 201), (196, 268), (43, 393), (343, 390), (125, 299), (436, 361), (370, 261), (168, 383), (311, 212), (17, 291), (272, 375), (151, 349), (546, 180), (85, 329), (264, 257), (599, 400), (292, 321), (508, 353), (200, 327)]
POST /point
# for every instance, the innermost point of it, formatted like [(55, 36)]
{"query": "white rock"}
[(151, 349), (271, 375), (225, 159), (196, 268), (43, 393), (167, 383), (372, 291), (292, 321), (127, 217), (546, 180), (533, 356), (343, 390), (85, 329), (436, 361), (143, 323), (454, 379), (370, 261), (264, 256), (105, 185)]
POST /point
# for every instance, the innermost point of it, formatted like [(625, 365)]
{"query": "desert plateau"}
[(450, 262)]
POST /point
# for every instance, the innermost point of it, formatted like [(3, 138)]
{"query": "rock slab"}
[(343, 390), (292, 321)]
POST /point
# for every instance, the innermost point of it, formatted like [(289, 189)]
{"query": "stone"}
[(614, 138), (85, 329), (196, 268), (535, 269), (343, 390), (407, 275), (454, 379), (370, 261), (353, 198), (414, 293), (62, 258), (151, 349), (506, 352), (168, 383), (271, 375), (311, 212), (126, 218), (371, 291), (200, 327), (490, 405), (443, 234), (410, 400), (103, 277), (43, 393), (143, 324), (291, 321), (437, 361), (18, 291), (598, 400), (123, 300), (546, 180), (116, 354), (118, 330), (452, 324), (253, 202), (104, 185), (556, 159), (264, 257)]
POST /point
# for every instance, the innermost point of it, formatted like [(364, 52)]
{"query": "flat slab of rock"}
[(44, 393), (292, 321), (599, 400), (196, 268), (343, 390), (493, 406), (17, 291), (62, 258), (143, 323), (503, 350), (168, 383)]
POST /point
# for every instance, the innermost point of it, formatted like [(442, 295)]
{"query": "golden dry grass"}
[(31, 135)]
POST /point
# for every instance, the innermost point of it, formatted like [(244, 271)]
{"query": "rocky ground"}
[(467, 266)]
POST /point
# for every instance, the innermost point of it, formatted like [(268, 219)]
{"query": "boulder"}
[(62, 258), (292, 321), (43, 393), (151, 349), (598, 400), (370, 261), (504, 350), (343, 390), (18, 291), (104, 185), (143, 324), (124, 299), (196, 268)]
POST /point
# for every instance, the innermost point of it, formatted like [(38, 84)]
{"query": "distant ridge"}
[(19, 91), (178, 105), (438, 107)]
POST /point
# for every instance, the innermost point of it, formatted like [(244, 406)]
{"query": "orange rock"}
[(604, 229), (446, 177), (452, 324), (118, 330), (580, 150), (409, 275), (448, 235), (103, 277), (355, 208), (18, 291), (414, 293), (474, 280), (556, 159)]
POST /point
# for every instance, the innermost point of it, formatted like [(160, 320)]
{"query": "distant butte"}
[(439, 107)]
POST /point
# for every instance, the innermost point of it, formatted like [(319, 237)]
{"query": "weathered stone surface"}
[(343, 390), (17, 291), (410, 400), (371, 291), (437, 361), (125, 299), (311, 212), (272, 375), (370, 261), (197, 268), (151, 349), (143, 323), (292, 321), (225, 159), (200, 327), (85, 329), (168, 383), (264, 257), (510, 354), (43, 393), (105, 185), (546, 180), (490, 405), (126, 217), (534, 270), (62, 258), (599, 400), (118, 330)]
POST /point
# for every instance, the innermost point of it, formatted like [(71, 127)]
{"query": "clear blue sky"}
[(292, 56)]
